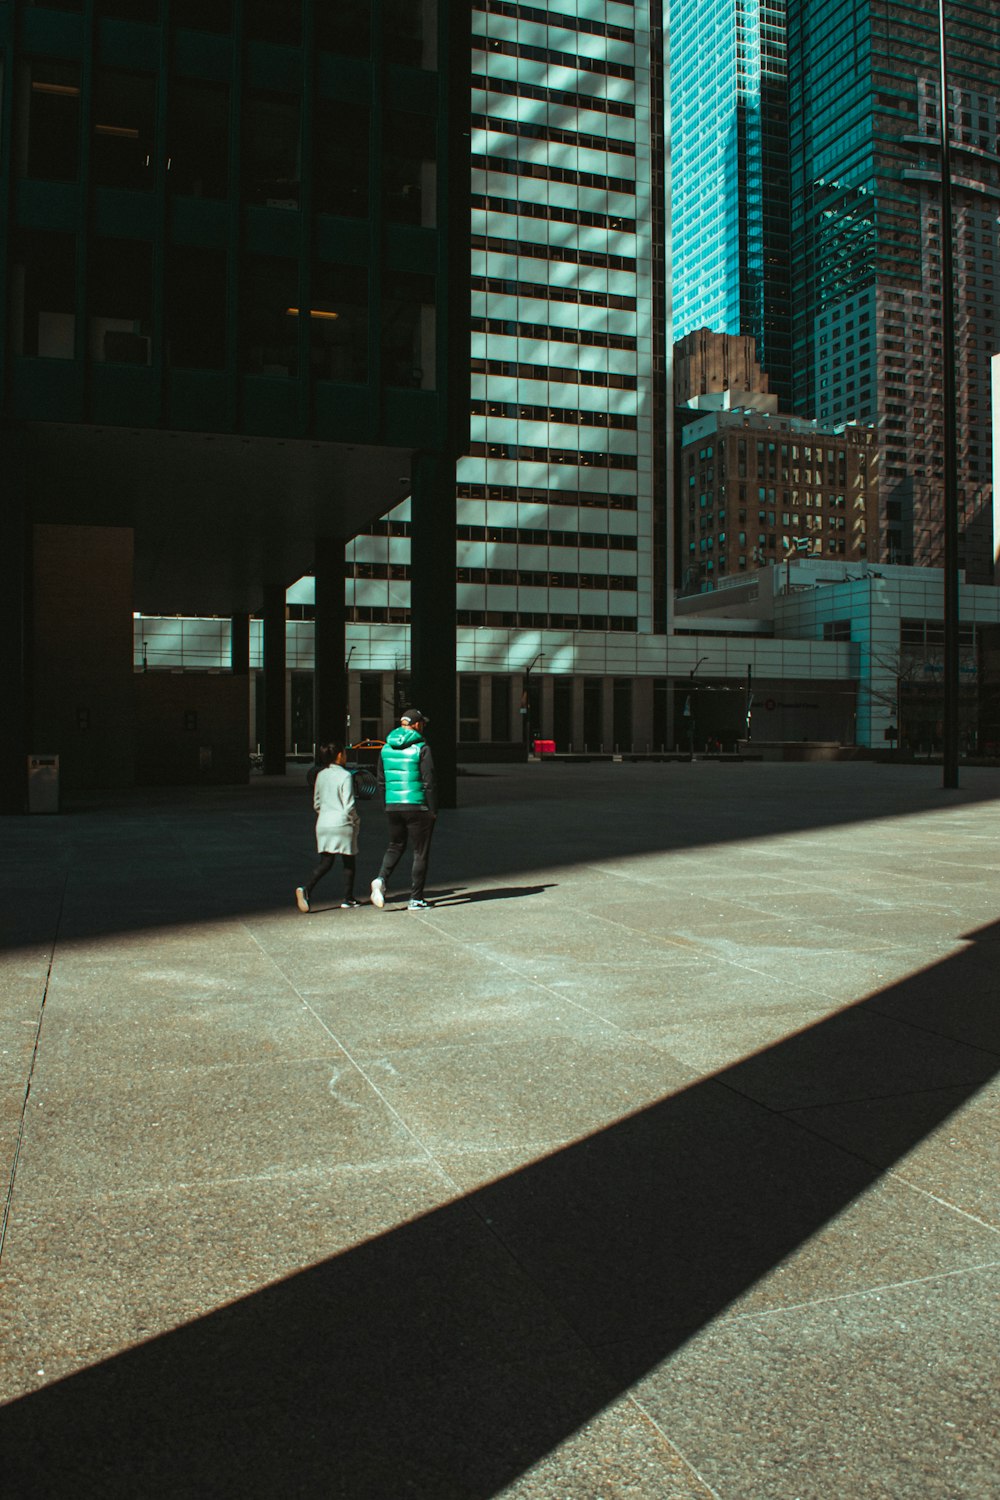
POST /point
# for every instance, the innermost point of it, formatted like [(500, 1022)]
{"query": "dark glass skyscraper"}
[(234, 246), (864, 109)]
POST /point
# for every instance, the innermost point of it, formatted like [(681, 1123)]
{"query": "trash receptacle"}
[(43, 783)]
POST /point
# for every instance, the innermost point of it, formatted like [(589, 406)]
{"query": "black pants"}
[(326, 863), (413, 823)]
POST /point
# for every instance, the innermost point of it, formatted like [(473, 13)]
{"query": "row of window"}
[(928, 635), (772, 450), (384, 527), (532, 495), (567, 255), (518, 411), (406, 30), (525, 209), (835, 548), (574, 60), (371, 614), (190, 150), (538, 620), (599, 103), (532, 578), (767, 540), (556, 374), (559, 19), (527, 130), (503, 286), (554, 333), (519, 577), (584, 458), (197, 285), (515, 167), (532, 536)]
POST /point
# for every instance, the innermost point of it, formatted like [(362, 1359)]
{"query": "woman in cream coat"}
[(337, 823)]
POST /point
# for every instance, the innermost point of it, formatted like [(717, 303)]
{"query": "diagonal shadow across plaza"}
[(694, 1217)]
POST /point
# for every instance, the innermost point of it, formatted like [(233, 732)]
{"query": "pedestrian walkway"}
[(657, 1159)]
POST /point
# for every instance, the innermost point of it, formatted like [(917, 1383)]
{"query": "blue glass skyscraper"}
[(729, 175)]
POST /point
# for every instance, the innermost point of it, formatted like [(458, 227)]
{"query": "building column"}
[(239, 645), (275, 718), (239, 665), (642, 713), (15, 562), (432, 617), (330, 677)]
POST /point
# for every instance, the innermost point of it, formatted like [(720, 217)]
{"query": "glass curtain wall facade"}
[(561, 498), (729, 175), (226, 218), (866, 240)]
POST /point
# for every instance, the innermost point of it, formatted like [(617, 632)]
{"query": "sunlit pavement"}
[(658, 1158)]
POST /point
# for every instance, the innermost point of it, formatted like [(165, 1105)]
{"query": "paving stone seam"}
[(19, 1133), (363, 1074), (559, 996), (945, 948), (878, 1289), (955, 1208), (835, 1001), (941, 1036), (647, 1416)]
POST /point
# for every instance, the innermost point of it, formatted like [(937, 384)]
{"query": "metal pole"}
[(950, 717)]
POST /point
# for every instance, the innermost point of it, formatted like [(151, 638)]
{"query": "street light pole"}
[(691, 715), (526, 701), (950, 717)]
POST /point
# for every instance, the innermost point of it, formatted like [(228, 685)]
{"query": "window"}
[(408, 169), (271, 150), (468, 708), (129, 10), (273, 21), (269, 316), (203, 15), (196, 308), (408, 32), (121, 299), (408, 330), (53, 142), (42, 280), (198, 139), (338, 326), (124, 112), (345, 29), (341, 159)]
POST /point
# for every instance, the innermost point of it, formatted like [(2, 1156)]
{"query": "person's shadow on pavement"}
[(459, 897)]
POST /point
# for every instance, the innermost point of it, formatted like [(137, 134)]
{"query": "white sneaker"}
[(378, 891), (301, 899)]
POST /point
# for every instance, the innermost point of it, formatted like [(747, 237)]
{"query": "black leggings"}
[(326, 863)]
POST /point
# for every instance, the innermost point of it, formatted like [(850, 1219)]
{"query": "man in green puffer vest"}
[(406, 782)]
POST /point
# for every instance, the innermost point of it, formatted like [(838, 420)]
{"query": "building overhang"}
[(216, 518)]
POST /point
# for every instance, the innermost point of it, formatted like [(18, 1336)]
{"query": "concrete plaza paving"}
[(657, 1159)]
